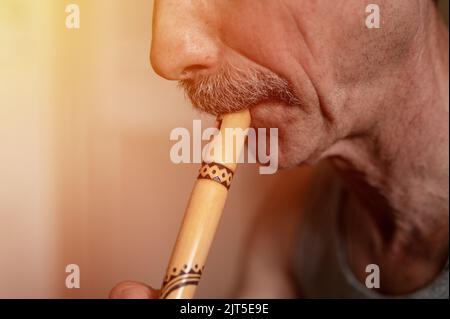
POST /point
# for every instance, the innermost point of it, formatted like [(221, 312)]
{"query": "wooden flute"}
[(203, 211)]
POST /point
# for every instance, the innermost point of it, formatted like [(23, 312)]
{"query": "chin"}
[(299, 147), (289, 158)]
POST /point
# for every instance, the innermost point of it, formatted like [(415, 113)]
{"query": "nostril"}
[(192, 70)]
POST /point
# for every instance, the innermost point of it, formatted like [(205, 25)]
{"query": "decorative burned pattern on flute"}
[(217, 173), (180, 278)]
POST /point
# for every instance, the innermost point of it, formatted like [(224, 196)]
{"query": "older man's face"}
[(296, 63)]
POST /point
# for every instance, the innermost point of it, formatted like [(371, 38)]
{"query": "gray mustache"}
[(233, 89)]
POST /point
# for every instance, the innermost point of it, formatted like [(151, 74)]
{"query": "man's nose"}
[(183, 44)]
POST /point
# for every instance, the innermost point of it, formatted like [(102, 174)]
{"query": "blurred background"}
[(85, 173)]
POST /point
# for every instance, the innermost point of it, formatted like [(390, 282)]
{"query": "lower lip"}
[(260, 114)]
